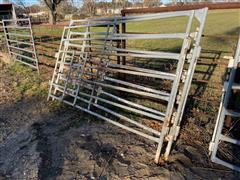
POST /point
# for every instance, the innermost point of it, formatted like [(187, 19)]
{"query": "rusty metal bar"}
[(228, 5)]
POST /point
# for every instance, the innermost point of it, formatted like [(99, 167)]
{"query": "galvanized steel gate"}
[(20, 41), (145, 100), (225, 114)]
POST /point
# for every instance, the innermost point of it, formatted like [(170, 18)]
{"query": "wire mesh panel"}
[(20, 41), (146, 94), (225, 144)]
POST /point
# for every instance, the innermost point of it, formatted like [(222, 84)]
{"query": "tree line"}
[(86, 7)]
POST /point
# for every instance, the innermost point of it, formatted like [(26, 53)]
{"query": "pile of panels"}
[(147, 94), (20, 41), (224, 147)]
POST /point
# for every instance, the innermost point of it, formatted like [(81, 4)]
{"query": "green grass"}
[(57, 31), (221, 22), (27, 81), (218, 22)]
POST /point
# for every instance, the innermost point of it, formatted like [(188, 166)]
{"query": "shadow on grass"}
[(226, 40)]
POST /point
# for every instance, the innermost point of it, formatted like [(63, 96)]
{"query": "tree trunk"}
[(52, 17)]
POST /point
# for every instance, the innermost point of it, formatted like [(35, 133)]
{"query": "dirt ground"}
[(38, 141)]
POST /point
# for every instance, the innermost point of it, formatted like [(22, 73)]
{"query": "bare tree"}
[(151, 3), (121, 3), (52, 7), (66, 7), (89, 6), (137, 3), (21, 5)]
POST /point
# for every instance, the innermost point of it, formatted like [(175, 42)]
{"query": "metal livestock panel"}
[(147, 95), (224, 133), (20, 41)]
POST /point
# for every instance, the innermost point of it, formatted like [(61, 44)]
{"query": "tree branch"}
[(58, 2), (48, 4)]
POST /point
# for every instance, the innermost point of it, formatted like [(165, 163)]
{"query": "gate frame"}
[(31, 42), (171, 124), (217, 136)]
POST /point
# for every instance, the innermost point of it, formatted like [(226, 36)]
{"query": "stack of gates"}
[(20, 41), (136, 96), (226, 134)]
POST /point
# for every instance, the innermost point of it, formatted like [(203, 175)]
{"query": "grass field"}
[(219, 22)]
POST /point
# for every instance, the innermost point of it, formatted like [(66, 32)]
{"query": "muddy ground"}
[(40, 140)]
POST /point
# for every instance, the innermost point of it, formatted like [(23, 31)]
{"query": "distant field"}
[(219, 22)]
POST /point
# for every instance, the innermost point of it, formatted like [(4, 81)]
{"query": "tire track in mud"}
[(44, 149), (50, 144)]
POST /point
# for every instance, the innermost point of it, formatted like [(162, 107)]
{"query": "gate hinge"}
[(184, 75), (179, 97), (173, 117), (188, 43), (193, 35), (168, 137), (56, 55), (197, 53), (66, 43), (189, 56)]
